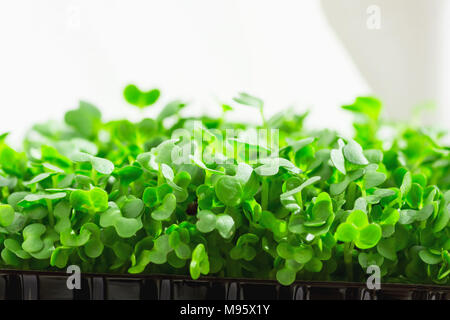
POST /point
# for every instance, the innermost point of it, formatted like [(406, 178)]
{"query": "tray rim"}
[(242, 281)]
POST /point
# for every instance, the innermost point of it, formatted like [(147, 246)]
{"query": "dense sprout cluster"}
[(111, 197)]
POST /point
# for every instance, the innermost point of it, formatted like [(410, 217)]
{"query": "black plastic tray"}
[(31, 285)]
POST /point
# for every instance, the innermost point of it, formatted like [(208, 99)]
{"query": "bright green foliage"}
[(208, 221), (200, 262), (228, 190), (86, 120), (94, 200), (135, 96), (135, 197), (6, 215), (358, 230)]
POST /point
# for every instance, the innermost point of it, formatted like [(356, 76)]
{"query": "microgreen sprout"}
[(196, 196)]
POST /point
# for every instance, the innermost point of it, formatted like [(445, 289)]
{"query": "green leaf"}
[(271, 166), (337, 157), (285, 250), (358, 218), (368, 106), (62, 214), (373, 179), (369, 259), (314, 265), (103, 166), (125, 227), (46, 251), (415, 196), (183, 251), (206, 221), (6, 215), (390, 216), (36, 212), (32, 237), (94, 200), (199, 263), (387, 248), (93, 248), (379, 195), (15, 247), (368, 236), (132, 208), (85, 120), (168, 196), (286, 276), (228, 190), (248, 100), (158, 254), (18, 223), (406, 184), (10, 258), (60, 257), (70, 239), (442, 219), (150, 196), (298, 189), (225, 225), (128, 174), (172, 108), (40, 199), (133, 95), (373, 155), (354, 153), (296, 145), (429, 257), (39, 178), (346, 232), (321, 210), (409, 216), (165, 210), (338, 188), (303, 254)]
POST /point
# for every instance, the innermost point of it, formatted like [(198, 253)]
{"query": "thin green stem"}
[(265, 194), (54, 181), (207, 177), (51, 218), (94, 176), (133, 188), (160, 176), (348, 256), (363, 190)]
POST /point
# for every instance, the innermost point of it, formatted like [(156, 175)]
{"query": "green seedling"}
[(146, 197), (138, 98)]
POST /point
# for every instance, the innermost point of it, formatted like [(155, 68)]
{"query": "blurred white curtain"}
[(406, 61), (54, 52)]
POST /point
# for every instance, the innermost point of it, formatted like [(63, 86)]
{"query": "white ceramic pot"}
[(402, 48)]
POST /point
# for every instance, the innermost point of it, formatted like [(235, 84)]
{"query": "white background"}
[(55, 52)]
